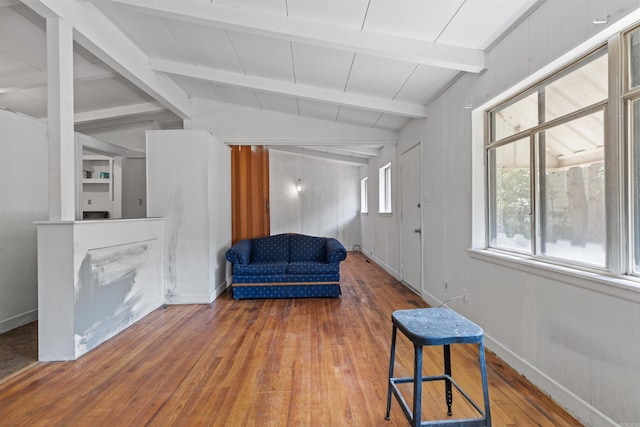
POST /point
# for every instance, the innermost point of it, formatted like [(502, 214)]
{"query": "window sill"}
[(627, 289), (385, 213)]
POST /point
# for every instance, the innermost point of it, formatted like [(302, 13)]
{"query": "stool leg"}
[(447, 382), (391, 362), (485, 386), (417, 385)]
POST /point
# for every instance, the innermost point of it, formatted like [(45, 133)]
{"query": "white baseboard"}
[(385, 266), (177, 299), (221, 288), (19, 320), (574, 404)]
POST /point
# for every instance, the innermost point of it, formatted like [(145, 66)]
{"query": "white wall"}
[(96, 278), (576, 342), (189, 184), (329, 203), (381, 232), (23, 199)]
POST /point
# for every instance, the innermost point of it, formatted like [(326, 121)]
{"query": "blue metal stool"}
[(436, 326)]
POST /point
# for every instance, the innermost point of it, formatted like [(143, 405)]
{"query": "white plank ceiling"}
[(371, 63)]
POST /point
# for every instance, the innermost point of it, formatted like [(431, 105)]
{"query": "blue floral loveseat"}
[(286, 266)]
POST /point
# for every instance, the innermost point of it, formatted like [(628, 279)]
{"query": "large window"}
[(384, 182), (546, 167), (632, 103), (563, 164)]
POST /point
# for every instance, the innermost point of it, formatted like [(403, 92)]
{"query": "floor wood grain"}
[(303, 362)]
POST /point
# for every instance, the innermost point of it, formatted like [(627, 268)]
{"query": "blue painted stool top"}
[(436, 326)]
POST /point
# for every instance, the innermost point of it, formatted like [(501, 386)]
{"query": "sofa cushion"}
[(306, 248), (270, 248), (261, 268), (310, 267)]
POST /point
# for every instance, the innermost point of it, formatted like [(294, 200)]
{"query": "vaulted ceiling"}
[(370, 63)]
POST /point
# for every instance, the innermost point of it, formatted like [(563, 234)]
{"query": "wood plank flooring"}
[(303, 362)]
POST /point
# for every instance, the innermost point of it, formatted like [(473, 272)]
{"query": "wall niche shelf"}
[(98, 170)]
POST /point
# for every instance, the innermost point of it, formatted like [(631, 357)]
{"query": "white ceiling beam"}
[(313, 33), (4, 3), (280, 87), (368, 151), (315, 153), (116, 112), (39, 79), (95, 32), (346, 150)]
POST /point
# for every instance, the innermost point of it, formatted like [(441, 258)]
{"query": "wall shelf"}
[(96, 181)]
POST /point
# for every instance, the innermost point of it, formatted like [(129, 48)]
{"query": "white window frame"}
[(384, 184), (364, 195), (618, 281)]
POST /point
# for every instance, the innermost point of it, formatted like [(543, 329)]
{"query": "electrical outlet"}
[(446, 287), (465, 292), (88, 202)]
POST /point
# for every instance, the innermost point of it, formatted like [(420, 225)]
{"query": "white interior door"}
[(411, 188)]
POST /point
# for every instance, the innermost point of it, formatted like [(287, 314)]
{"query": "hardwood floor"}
[(304, 362)]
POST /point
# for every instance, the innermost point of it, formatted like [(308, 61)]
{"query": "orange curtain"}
[(249, 192)]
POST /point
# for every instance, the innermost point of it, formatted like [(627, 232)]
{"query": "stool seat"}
[(436, 326)]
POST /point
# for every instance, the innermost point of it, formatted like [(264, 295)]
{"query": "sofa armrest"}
[(334, 251), (240, 253)]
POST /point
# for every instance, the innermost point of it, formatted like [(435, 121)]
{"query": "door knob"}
[(417, 230)]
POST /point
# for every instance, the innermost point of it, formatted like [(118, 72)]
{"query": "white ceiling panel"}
[(283, 104), (418, 19), (270, 6), (358, 117), (425, 83), (106, 93), (318, 110), (37, 93), (261, 56), (479, 22), (343, 13), (205, 46), (276, 49), (319, 66), (393, 122), (238, 96), (22, 40), (147, 32), (83, 65), (377, 76), (10, 66), (23, 103), (197, 88)]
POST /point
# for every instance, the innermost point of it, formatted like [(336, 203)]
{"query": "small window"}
[(385, 188), (364, 198)]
